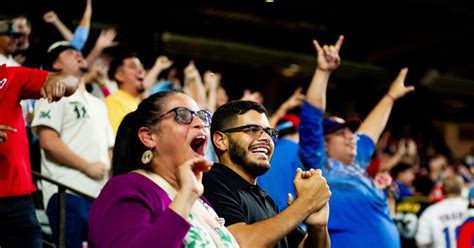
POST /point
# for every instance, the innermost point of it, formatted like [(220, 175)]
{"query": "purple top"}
[(132, 211)]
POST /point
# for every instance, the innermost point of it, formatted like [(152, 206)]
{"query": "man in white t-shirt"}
[(76, 140), (438, 224)]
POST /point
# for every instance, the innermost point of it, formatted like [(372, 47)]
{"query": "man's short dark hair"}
[(400, 168), (227, 114), (117, 62), (423, 185)]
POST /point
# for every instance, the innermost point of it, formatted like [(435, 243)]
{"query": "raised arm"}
[(81, 33), (374, 124), (79, 37), (312, 147), (162, 63), (105, 40), (86, 17), (52, 18), (193, 84), (293, 101), (328, 60), (211, 83)]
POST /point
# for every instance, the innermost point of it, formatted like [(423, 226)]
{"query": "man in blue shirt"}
[(359, 214)]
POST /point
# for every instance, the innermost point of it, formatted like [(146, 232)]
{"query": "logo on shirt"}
[(80, 110), (3, 82), (45, 114)]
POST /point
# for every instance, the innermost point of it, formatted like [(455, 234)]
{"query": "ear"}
[(56, 66), (220, 141), (118, 75), (146, 137)]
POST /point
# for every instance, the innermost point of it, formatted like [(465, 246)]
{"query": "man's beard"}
[(238, 156)]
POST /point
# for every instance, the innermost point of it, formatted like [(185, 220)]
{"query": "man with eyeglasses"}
[(244, 141)]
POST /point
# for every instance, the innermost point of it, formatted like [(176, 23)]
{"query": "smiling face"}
[(341, 145), (176, 142), (130, 76), (250, 151)]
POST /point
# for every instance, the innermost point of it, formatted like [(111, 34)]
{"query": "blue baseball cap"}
[(333, 123), (163, 86)]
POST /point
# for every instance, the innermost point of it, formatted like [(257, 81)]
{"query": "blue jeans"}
[(77, 212), (19, 226)]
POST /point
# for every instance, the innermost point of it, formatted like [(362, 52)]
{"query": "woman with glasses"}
[(154, 196)]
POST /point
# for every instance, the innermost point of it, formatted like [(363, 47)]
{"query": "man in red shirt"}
[(18, 224)]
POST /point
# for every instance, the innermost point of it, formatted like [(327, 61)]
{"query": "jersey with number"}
[(82, 124), (407, 214), (439, 223)]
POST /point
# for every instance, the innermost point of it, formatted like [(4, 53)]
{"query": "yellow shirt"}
[(119, 105)]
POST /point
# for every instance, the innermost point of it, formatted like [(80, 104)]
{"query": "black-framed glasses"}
[(254, 130), (185, 116)]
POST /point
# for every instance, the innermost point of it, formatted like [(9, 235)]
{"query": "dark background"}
[(252, 42)]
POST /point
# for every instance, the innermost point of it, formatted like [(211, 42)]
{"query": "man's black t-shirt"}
[(236, 200)]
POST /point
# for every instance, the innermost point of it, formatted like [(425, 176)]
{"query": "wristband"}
[(390, 96), (105, 91)]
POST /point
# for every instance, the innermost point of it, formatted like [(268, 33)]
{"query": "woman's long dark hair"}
[(128, 148)]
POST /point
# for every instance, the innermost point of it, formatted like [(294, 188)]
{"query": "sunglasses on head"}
[(185, 116)]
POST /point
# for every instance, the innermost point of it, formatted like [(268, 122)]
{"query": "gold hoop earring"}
[(147, 156)]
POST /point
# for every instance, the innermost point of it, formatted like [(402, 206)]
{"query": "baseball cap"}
[(288, 121), (9, 28), (53, 53), (333, 123), (162, 86), (288, 124)]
